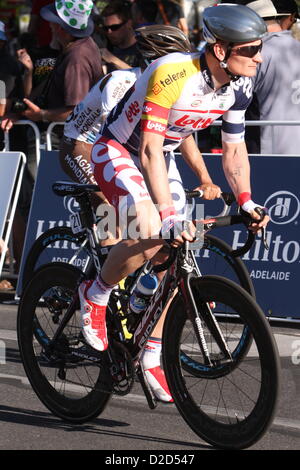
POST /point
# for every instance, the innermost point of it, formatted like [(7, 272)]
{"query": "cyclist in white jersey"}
[(176, 95)]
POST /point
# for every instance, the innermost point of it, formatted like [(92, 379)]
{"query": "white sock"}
[(99, 292), (151, 353)]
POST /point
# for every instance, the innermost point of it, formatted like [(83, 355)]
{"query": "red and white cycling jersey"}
[(175, 97)]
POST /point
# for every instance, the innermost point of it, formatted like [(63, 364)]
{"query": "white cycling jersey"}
[(85, 121), (175, 97)]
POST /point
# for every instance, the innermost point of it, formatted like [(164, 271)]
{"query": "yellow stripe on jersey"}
[(149, 117), (167, 81)]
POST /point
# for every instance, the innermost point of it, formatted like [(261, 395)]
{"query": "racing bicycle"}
[(72, 243), (224, 385)]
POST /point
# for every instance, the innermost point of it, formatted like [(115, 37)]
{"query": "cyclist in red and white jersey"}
[(176, 95), (83, 124)]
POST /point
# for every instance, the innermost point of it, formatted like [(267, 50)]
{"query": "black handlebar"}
[(228, 198)]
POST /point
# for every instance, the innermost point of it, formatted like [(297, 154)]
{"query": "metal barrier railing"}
[(48, 143), (37, 137), (48, 134)]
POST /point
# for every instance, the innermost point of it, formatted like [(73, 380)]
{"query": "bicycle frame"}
[(179, 274)]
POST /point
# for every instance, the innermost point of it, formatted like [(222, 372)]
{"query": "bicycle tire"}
[(71, 386), (221, 410), (224, 250), (61, 236)]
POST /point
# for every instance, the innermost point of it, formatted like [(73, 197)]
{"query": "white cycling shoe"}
[(157, 381), (93, 318)]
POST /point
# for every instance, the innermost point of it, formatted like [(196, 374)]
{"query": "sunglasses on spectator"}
[(248, 51), (114, 27)]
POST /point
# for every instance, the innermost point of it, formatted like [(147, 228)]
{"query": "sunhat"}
[(287, 5), (72, 15), (265, 9)]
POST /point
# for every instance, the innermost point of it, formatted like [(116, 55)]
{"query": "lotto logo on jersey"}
[(133, 110), (187, 121), (151, 126)]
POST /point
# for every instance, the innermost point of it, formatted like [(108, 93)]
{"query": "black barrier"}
[(48, 210), (275, 273)]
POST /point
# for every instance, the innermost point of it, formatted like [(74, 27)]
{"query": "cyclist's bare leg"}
[(130, 254)]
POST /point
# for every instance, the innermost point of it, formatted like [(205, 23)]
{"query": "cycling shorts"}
[(118, 174), (75, 160)]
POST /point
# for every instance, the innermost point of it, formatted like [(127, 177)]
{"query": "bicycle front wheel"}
[(67, 375), (234, 408)]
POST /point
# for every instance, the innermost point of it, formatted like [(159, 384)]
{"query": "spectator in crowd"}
[(144, 13), (38, 63), (267, 10), (39, 27), (11, 71), (289, 6), (121, 51), (77, 69), (170, 12), (11, 79), (276, 89)]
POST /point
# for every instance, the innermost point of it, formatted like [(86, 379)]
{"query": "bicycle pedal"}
[(151, 399)]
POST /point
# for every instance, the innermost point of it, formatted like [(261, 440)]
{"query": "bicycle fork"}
[(198, 316)]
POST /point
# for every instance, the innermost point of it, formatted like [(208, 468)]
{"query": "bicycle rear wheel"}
[(234, 408), (69, 378), (56, 244)]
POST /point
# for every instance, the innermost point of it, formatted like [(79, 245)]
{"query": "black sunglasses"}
[(248, 51), (113, 27)]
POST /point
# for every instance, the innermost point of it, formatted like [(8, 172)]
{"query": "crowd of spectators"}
[(52, 66)]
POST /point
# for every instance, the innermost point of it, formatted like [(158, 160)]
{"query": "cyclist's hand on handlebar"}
[(258, 214), (210, 191), (260, 218), (176, 231)]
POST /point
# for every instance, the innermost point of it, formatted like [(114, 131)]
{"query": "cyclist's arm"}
[(237, 171), (154, 168), (236, 167), (194, 159), (155, 174)]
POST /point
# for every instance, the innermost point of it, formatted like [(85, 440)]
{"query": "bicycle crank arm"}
[(151, 399)]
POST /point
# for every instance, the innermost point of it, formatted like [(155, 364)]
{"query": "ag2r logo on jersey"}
[(283, 207)]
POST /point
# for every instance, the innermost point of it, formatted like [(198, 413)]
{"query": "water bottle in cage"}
[(145, 288)]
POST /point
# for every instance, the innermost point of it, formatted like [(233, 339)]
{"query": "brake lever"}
[(264, 238), (261, 211)]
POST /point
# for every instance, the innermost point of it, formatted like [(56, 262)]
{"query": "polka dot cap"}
[(74, 12)]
